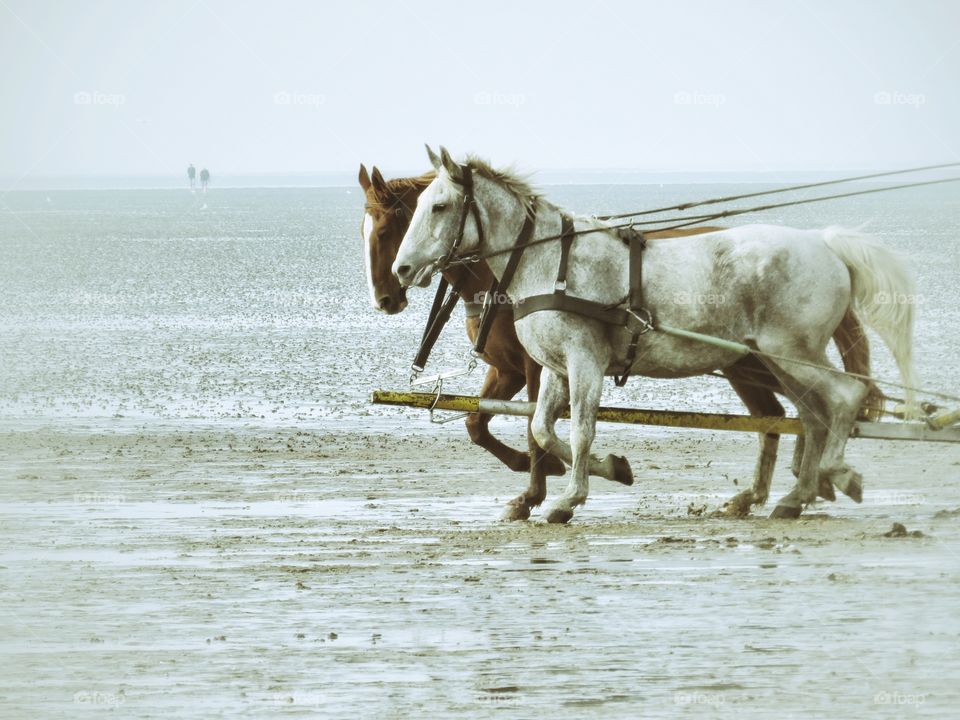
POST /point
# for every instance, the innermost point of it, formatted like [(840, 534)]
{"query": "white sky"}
[(592, 84)]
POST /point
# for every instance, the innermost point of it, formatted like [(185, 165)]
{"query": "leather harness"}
[(634, 316)]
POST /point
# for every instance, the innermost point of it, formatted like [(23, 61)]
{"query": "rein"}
[(696, 219), (634, 316), (439, 315), (442, 308), (806, 186)]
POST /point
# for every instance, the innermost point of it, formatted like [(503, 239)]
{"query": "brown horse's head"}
[(389, 207)]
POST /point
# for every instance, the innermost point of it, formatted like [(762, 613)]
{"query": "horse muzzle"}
[(410, 277)]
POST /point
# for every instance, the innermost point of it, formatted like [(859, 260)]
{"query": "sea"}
[(249, 304)]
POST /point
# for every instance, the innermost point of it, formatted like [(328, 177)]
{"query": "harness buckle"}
[(560, 286), (646, 323)]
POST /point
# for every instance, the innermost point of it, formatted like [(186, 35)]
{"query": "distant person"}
[(192, 174), (204, 179)]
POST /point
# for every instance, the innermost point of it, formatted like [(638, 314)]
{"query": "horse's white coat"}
[(367, 233), (782, 288)]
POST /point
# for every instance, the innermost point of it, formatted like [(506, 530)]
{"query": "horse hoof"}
[(621, 470), (552, 465), (785, 512), (559, 516), (516, 511), (739, 505), (854, 490), (852, 485)]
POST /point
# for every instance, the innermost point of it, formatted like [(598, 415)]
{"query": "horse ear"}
[(434, 159), (364, 178), (379, 184), (450, 166)]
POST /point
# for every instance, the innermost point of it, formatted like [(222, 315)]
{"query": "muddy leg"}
[(760, 402), (810, 390), (498, 385)]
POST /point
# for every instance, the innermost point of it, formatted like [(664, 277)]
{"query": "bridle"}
[(469, 207), (442, 308)]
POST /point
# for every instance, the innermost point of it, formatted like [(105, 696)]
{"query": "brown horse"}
[(388, 210)]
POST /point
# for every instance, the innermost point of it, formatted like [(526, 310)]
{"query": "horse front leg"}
[(498, 385), (586, 385), (542, 463)]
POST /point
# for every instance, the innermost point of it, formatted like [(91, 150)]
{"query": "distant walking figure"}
[(204, 179), (192, 174)]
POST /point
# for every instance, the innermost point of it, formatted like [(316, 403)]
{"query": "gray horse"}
[(781, 290)]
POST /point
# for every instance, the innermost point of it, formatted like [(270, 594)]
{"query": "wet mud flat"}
[(212, 570)]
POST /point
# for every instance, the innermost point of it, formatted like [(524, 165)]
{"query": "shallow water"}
[(212, 573)]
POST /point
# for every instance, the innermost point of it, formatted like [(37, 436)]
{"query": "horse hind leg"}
[(847, 398), (854, 346), (810, 389)]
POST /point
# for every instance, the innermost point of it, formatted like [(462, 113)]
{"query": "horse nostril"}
[(403, 271), (386, 303)]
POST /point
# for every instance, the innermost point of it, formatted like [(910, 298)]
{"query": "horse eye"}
[(439, 207), (398, 211)]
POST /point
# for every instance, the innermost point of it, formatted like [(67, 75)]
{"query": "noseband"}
[(469, 207)]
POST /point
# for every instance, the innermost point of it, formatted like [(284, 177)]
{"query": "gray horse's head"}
[(435, 224)]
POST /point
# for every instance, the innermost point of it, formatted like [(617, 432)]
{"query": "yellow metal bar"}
[(944, 419), (664, 418), (915, 431)]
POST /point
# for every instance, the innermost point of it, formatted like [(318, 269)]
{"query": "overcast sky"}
[(122, 87)]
